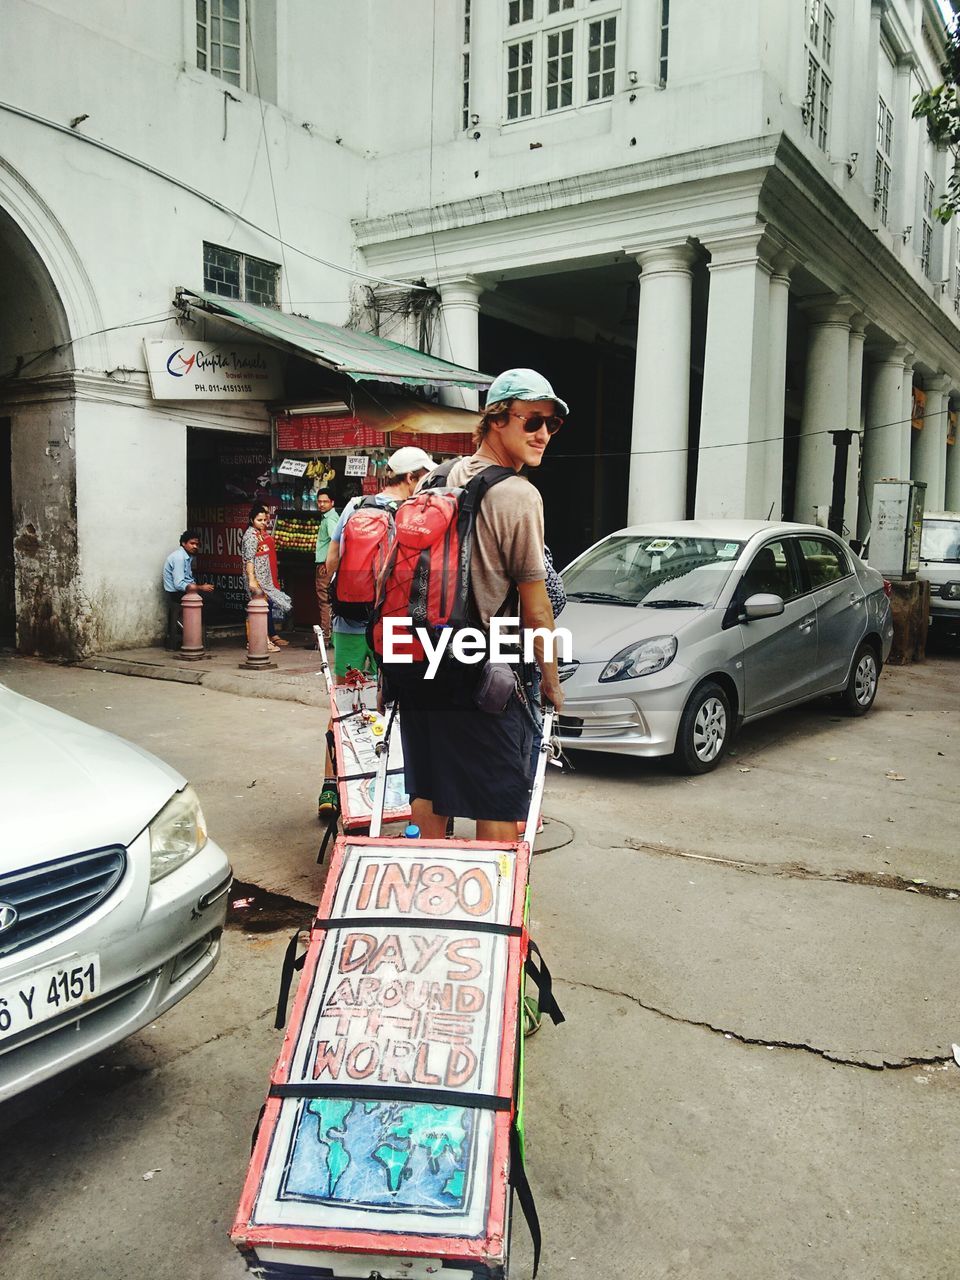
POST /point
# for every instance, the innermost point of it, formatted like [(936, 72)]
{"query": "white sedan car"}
[(684, 630), (112, 896)]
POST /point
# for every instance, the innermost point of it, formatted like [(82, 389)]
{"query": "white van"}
[(940, 566)]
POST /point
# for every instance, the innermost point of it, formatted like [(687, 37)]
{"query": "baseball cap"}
[(409, 458), (524, 384)]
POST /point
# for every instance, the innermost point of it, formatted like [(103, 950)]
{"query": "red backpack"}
[(427, 574), (365, 542)]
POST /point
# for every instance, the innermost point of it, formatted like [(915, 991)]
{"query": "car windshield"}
[(655, 572), (940, 540)]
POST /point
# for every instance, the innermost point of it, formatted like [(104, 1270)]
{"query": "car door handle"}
[(855, 599), (807, 623)]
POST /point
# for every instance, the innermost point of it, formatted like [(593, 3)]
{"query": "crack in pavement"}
[(797, 870), (870, 1060)]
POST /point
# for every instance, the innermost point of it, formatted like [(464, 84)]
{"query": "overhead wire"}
[(207, 199)]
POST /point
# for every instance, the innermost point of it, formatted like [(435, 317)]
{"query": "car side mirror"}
[(762, 605)]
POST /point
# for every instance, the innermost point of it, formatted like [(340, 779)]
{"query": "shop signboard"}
[(180, 370), (358, 465), (384, 1145)]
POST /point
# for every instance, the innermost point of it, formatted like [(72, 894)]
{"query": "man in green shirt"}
[(328, 523)]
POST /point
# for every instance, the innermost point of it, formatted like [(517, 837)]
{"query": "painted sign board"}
[(384, 1146), (358, 465), (358, 728), (180, 370)]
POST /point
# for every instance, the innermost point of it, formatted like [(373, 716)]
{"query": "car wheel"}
[(705, 730), (857, 698)]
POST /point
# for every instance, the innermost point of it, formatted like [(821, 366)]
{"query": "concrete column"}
[(951, 495), (906, 418), (661, 396), (776, 381), (458, 337), (882, 451), (930, 446), (851, 501), (825, 405), (733, 477)]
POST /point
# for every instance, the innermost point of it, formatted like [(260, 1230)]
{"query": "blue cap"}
[(524, 384)]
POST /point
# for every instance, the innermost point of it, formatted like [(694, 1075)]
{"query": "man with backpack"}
[(358, 549), (469, 547)]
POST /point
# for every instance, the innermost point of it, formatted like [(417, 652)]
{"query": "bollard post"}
[(258, 658), (191, 616)]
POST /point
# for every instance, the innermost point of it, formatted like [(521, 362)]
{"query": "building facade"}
[(714, 229)]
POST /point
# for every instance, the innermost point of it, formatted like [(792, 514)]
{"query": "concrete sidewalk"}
[(297, 676)]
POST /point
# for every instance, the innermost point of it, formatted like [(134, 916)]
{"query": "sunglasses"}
[(553, 422)]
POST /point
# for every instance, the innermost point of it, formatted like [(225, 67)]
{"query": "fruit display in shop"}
[(294, 534)]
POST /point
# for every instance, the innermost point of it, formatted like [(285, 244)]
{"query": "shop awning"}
[(359, 356)]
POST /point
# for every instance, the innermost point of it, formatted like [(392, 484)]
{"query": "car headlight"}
[(950, 591), (641, 659), (177, 833)]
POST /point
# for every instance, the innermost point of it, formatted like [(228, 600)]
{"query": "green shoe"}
[(328, 806), (532, 1017)]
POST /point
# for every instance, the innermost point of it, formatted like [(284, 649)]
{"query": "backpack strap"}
[(437, 478)]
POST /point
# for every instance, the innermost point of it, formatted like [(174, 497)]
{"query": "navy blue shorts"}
[(467, 763)]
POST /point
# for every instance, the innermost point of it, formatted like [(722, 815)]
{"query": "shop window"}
[(221, 39), (567, 57), (816, 103), (238, 275)]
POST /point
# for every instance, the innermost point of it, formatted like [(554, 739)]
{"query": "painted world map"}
[(381, 1155)]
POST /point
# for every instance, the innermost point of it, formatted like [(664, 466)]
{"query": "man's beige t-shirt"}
[(508, 537)]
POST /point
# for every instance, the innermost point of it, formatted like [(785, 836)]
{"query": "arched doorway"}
[(38, 537)]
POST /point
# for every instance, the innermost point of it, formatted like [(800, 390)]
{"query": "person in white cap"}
[(460, 761), (406, 467)]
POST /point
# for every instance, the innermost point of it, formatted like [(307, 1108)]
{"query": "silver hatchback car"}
[(683, 631), (112, 898)]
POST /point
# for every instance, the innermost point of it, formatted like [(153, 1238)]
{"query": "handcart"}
[(360, 746), (391, 1139)]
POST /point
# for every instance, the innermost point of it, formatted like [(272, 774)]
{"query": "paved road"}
[(739, 956)]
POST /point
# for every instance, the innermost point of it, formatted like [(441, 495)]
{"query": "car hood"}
[(600, 631), (68, 787)]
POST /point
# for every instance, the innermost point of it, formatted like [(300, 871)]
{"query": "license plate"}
[(43, 994)]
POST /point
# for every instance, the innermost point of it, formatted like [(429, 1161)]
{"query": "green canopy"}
[(360, 356)]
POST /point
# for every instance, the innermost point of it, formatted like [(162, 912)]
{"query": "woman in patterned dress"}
[(259, 552)]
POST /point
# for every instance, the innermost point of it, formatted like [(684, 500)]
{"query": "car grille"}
[(50, 897)]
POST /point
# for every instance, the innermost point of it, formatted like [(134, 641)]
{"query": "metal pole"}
[(536, 795), (841, 444)]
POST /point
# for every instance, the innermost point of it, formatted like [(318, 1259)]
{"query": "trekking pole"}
[(325, 665), (380, 780), (536, 795)]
